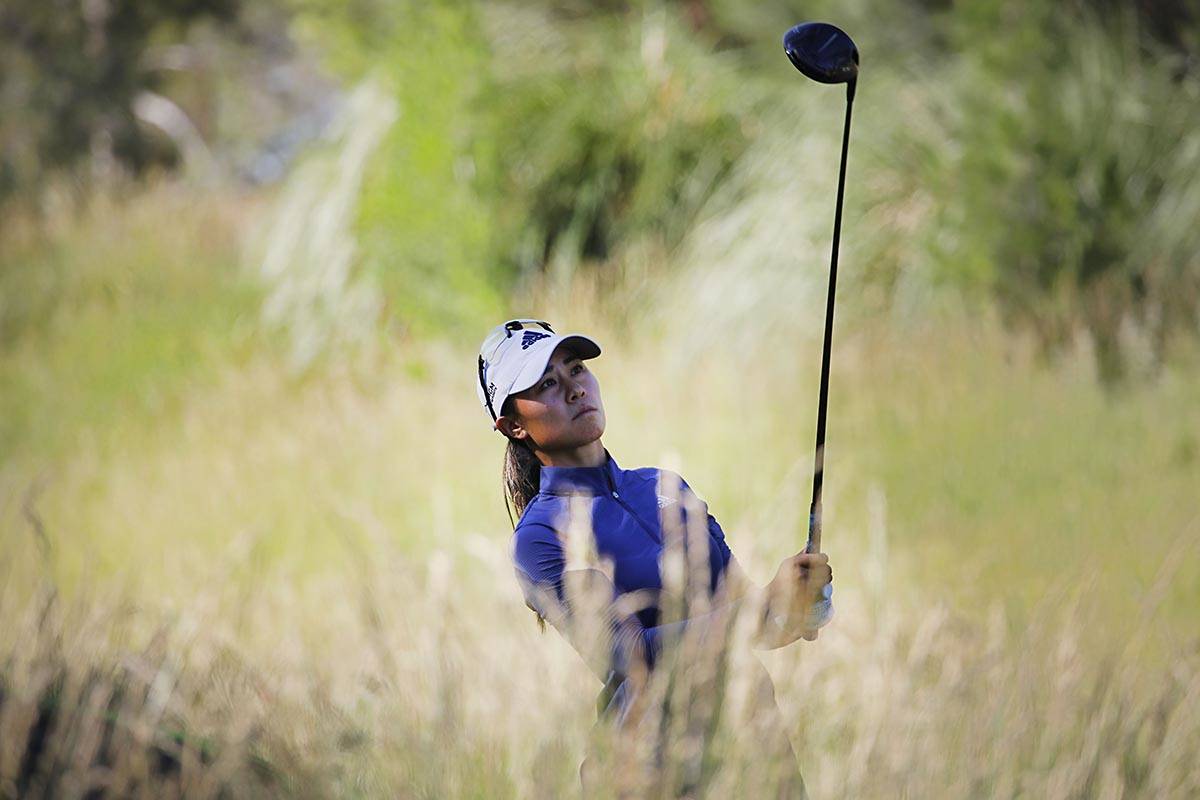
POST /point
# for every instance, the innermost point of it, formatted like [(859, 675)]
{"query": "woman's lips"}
[(584, 411)]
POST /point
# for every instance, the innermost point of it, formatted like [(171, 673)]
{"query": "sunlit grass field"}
[(218, 571)]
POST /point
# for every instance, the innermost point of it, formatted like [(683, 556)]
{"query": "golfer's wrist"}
[(773, 629)]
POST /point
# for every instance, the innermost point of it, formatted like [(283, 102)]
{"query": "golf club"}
[(826, 54)]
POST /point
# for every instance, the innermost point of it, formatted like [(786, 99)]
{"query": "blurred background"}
[(252, 534)]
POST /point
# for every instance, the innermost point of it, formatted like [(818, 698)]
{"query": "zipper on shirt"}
[(612, 489)]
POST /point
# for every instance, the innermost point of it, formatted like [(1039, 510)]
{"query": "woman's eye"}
[(548, 383), (577, 369)]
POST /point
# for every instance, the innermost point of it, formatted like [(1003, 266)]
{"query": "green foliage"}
[(425, 218), (69, 76), (1068, 181), (529, 140), (610, 130), (424, 221), (1054, 166)]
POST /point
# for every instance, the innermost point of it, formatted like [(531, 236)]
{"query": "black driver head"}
[(823, 52)]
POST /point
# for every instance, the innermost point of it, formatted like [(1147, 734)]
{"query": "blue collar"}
[(581, 480)]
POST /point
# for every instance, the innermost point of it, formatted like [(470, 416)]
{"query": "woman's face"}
[(562, 411)]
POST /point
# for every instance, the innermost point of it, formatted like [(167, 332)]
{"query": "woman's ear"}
[(511, 428)]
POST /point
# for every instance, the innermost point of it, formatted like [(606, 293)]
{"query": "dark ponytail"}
[(522, 474), (522, 477)]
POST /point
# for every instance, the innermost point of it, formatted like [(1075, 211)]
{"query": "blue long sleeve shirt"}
[(630, 513)]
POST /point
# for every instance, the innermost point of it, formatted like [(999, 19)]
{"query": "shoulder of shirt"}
[(536, 514), (653, 475), (536, 523), (531, 538)]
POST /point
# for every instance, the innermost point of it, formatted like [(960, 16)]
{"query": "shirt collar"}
[(581, 480)]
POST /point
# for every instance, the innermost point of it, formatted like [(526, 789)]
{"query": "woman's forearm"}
[(774, 630), (771, 629)]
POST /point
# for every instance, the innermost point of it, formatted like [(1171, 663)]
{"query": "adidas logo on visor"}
[(530, 337)]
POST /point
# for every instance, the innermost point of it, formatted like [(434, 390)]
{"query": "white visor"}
[(513, 357)]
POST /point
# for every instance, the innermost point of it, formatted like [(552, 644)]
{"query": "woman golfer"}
[(537, 390)]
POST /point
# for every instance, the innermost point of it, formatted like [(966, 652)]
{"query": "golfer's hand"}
[(797, 586)]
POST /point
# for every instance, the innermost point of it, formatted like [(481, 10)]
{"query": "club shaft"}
[(814, 514)]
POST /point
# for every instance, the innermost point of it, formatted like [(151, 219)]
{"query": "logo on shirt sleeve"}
[(663, 502)]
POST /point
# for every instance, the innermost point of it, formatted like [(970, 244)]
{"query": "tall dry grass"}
[(409, 679), (303, 587)]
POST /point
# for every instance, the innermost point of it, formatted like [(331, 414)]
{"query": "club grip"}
[(822, 610)]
